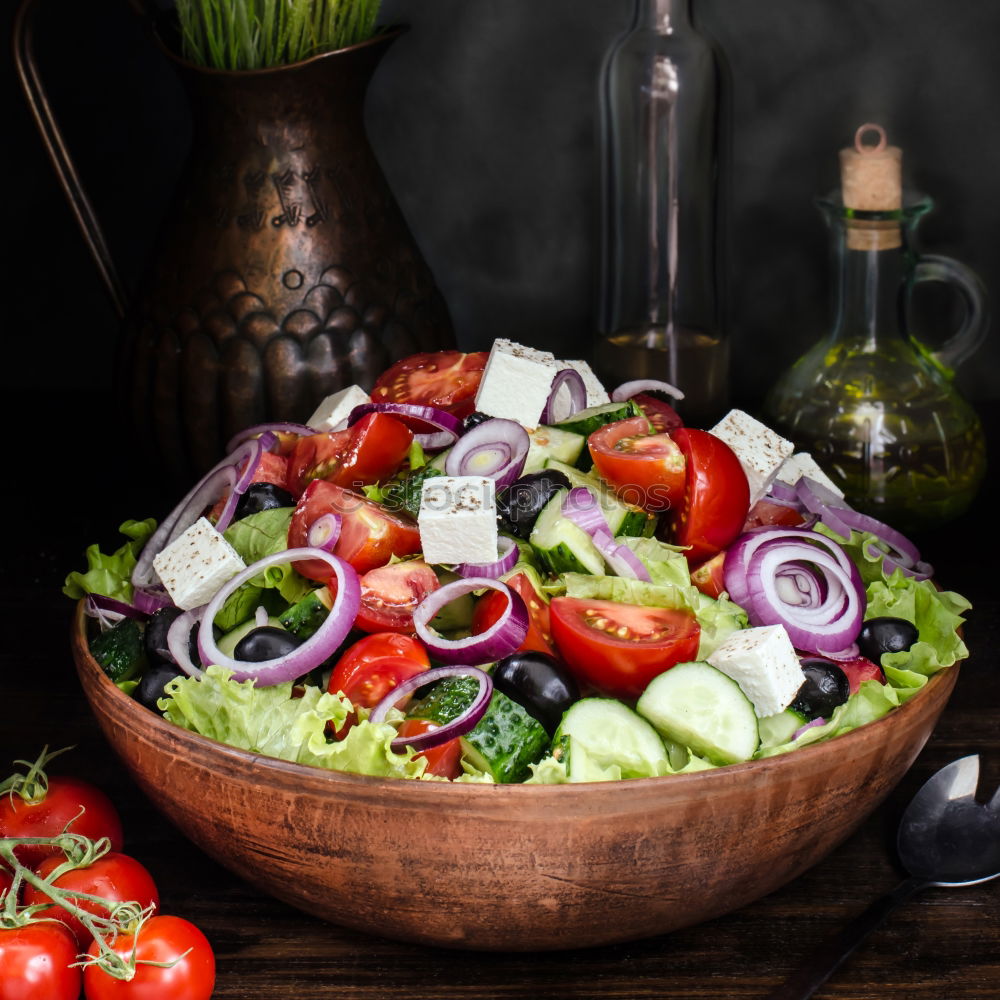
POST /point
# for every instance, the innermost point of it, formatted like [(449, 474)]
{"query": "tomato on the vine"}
[(645, 469), (620, 648), (114, 877), (35, 963), (446, 380), (390, 594), (166, 939), (444, 760)]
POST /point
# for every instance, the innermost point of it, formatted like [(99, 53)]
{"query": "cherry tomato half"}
[(35, 963), (859, 670), (447, 380), (620, 648), (645, 469), (660, 414), (444, 760), (492, 605), (370, 535), (390, 595), (374, 665), (166, 939), (716, 496), (114, 877)]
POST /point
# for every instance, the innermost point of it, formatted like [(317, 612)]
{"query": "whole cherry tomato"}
[(35, 963)]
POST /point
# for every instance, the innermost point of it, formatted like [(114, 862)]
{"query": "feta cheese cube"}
[(516, 383), (596, 393), (458, 520), (803, 464), (759, 449), (332, 413), (763, 662), (196, 564)]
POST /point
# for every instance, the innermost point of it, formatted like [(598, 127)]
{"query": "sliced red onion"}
[(827, 614), (819, 721), (824, 503), (317, 648), (260, 616), (324, 532), (781, 493), (274, 429), (499, 640), (629, 389), (897, 549), (567, 396), (150, 599), (179, 640), (458, 726), (622, 560), (849, 652), (507, 556), (582, 508), (108, 612), (434, 429), (495, 449), (202, 495)]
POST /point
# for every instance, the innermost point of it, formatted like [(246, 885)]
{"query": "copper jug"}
[(284, 270)]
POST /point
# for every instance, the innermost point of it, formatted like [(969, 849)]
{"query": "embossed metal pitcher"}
[(284, 270)]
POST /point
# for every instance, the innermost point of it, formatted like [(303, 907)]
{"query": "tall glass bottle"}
[(660, 313)]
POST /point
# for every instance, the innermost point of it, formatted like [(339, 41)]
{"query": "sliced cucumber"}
[(561, 546), (305, 616), (587, 421), (608, 733), (776, 730), (438, 461), (622, 519), (552, 443), (700, 707)]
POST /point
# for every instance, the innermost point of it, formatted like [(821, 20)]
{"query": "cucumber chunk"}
[(700, 707), (551, 443), (561, 546), (776, 730), (622, 519), (120, 651), (587, 421)]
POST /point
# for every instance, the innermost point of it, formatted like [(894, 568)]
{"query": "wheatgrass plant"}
[(251, 34)]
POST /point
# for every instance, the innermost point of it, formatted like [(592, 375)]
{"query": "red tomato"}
[(374, 665), (369, 536), (69, 805), (765, 512), (368, 452), (390, 594), (716, 498), (444, 760), (660, 414), (35, 963), (491, 606), (859, 670), (272, 469), (161, 939), (114, 877), (708, 577), (646, 470), (447, 380), (620, 648)]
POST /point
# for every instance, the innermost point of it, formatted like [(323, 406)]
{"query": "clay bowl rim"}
[(319, 778)]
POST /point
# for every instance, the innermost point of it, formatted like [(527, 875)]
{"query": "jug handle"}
[(55, 145), (971, 333)]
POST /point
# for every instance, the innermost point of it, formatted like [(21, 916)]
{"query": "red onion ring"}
[(108, 612), (458, 726), (818, 721), (507, 556), (150, 599), (433, 429), (629, 389), (317, 648), (582, 508), (622, 560), (179, 638), (562, 405), (324, 532), (495, 449), (274, 428), (501, 639)]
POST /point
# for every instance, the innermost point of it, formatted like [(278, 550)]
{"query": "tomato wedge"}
[(368, 452), (716, 498), (357, 669), (709, 577), (390, 594), (447, 380), (645, 469), (492, 605), (620, 648), (370, 535), (766, 512), (444, 760), (660, 414)]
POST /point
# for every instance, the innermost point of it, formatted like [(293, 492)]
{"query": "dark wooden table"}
[(944, 943)]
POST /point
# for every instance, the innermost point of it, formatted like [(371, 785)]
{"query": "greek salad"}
[(490, 569)]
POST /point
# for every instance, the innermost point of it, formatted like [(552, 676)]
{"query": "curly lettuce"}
[(111, 575)]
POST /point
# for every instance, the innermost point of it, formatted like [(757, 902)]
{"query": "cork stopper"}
[(871, 180)]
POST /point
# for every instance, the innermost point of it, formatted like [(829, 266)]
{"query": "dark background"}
[(483, 116)]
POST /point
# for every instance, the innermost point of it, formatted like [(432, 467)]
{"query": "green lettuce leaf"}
[(110, 575)]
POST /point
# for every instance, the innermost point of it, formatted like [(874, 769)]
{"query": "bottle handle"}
[(55, 145), (972, 331)]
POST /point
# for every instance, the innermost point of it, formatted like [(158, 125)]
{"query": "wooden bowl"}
[(512, 867)]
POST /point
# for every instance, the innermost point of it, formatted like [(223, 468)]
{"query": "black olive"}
[(519, 505), (155, 635), (265, 643), (474, 419), (886, 635), (262, 496), (154, 679), (826, 686), (541, 685)]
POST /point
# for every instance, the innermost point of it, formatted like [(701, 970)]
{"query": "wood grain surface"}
[(944, 943)]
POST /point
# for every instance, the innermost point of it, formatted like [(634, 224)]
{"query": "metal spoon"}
[(945, 838)]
